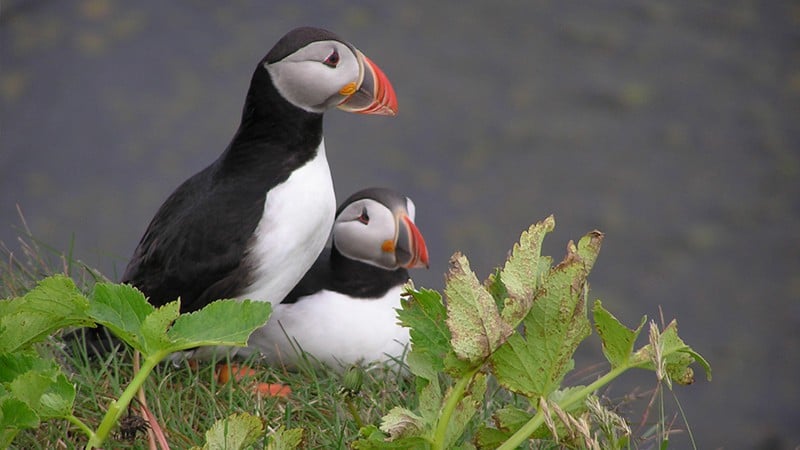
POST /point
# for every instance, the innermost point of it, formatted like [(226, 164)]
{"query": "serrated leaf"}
[(523, 271), (48, 393), (472, 316), (53, 304), (283, 439), (15, 415), (234, 432), (424, 313), (677, 356), (534, 364), (122, 309), (400, 422), (213, 325), (371, 438), (155, 325), (15, 364), (38, 382), (680, 356), (617, 339)]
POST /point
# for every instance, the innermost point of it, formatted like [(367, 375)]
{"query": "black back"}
[(195, 247)]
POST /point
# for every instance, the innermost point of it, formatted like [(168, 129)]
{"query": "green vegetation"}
[(486, 368)]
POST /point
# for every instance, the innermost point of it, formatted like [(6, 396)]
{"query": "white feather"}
[(336, 329), (298, 216)]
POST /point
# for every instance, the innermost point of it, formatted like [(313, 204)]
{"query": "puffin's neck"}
[(271, 126), (363, 280)]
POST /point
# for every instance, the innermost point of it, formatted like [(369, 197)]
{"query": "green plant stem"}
[(83, 427), (449, 407), (568, 402), (118, 407), (353, 412)]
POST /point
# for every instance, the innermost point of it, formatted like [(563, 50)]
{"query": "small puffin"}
[(343, 310), (250, 225)]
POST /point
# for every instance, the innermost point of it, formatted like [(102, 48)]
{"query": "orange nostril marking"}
[(387, 246), (348, 88)]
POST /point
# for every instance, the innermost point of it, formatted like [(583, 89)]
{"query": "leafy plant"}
[(521, 327), (34, 388)]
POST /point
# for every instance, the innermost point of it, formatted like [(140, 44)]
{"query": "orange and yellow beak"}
[(372, 94), (409, 248)]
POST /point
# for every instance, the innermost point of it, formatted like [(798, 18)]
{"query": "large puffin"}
[(251, 224), (343, 310)]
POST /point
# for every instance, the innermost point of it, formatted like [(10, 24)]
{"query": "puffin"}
[(251, 224), (343, 311)]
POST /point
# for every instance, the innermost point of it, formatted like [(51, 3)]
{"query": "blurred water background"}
[(673, 127)]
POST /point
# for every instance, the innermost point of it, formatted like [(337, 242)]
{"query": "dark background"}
[(672, 127)]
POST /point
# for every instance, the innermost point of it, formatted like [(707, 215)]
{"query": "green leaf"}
[(472, 316), (15, 364), (371, 438), (122, 309), (400, 422), (523, 272), (283, 439), (430, 399), (154, 327), (534, 364), (618, 340), (424, 313), (53, 304), (15, 415), (507, 421), (47, 392), (223, 322), (234, 432), (673, 355)]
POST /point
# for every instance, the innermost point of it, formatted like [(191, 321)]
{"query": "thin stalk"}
[(83, 427), (118, 407), (354, 412), (568, 402), (449, 407)]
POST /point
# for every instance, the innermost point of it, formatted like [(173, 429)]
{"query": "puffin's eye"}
[(364, 217), (332, 60)]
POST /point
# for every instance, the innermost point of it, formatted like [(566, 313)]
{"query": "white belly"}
[(334, 329), (298, 216)]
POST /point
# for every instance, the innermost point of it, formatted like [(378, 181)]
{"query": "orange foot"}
[(225, 372)]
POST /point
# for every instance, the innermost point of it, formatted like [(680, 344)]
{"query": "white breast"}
[(298, 216), (335, 329)]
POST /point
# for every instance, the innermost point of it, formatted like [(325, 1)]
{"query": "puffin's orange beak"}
[(410, 250), (373, 93)]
